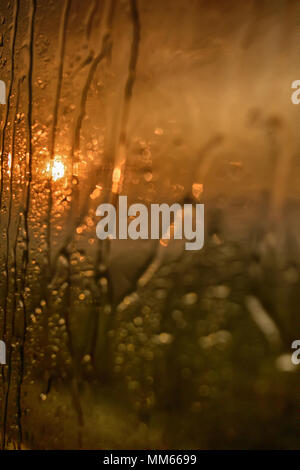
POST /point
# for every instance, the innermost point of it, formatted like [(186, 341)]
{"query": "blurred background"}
[(141, 344)]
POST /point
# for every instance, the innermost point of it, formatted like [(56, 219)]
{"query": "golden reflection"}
[(9, 164), (116, 177), (197, 190), (56, 169)]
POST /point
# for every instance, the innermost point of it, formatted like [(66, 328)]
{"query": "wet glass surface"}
[(142, 344)]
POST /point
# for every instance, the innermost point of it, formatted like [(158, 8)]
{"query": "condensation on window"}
[(142, 344)]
